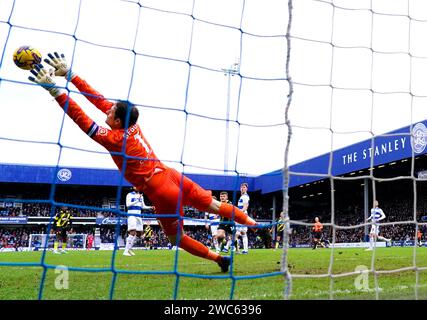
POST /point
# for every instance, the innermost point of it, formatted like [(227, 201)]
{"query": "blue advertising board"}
[(110, 221), (13, 220)]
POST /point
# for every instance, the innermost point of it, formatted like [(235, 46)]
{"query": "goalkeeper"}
[(167, 189), (61, 224)]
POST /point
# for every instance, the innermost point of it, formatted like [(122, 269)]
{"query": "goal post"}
[(37, 241)]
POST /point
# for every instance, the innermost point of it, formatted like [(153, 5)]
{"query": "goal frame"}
[(43, 236)]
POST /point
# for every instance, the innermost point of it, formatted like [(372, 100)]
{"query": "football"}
[(26, 57)]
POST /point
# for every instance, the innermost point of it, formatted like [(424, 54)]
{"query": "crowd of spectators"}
[(396, 212), (345, 215), (44, 210), (16, 237)]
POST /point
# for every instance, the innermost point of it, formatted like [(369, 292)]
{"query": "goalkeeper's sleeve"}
[(91, 94), (110, 140)]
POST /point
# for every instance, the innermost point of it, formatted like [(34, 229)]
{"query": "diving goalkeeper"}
[(167, 189)]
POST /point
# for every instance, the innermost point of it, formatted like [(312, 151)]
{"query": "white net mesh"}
[(357, 75)]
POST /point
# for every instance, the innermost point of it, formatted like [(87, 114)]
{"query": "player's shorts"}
[(241, 228), (317, 235), (164, 191), (62, 231), (375, 229), (135, 223), (227, 227)]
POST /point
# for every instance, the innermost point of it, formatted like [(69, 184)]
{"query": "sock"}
[(245, 242), (64, 245), (227, 246), (215, 242), (382, 238), (223, 242), (371, 242), (133, 242), (55, 245), (129, 242), (198, 249), (236, 244), (276, 245), (227, 210)]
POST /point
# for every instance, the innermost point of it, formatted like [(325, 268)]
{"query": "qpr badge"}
[(102, 131), (419, 137), (64, 175)]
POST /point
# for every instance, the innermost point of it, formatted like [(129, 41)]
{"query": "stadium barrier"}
[(24, 220), (405, 243), (356, 245), (110, 246)]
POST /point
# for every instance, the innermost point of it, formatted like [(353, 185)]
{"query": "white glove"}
[(60, 64), (45, 78)]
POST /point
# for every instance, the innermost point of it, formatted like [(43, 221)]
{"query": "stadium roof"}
[(396, 145), (393, 146)]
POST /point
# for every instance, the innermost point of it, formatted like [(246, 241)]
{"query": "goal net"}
[(75, 241), (358, 85)]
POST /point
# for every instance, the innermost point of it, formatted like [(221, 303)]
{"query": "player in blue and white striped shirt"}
[(134, 204), (213, 224), (241, 230), (377, 214)]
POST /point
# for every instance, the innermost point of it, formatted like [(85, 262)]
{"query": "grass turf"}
[(22, 282)]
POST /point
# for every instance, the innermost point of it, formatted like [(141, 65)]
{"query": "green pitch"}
[(22, 282)]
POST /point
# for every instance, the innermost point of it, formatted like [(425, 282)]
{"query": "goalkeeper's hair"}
[(124, 107)]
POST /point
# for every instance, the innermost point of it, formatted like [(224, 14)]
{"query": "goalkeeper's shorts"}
[(169, 190)]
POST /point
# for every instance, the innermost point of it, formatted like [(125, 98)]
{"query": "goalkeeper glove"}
[(45, 79), (60, 64)]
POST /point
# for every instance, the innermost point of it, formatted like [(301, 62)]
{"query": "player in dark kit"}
[(61, 224), (225, 227), (280, 226), (147, 235)]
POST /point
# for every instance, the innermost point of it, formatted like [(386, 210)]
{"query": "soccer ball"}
[(26, 57)]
